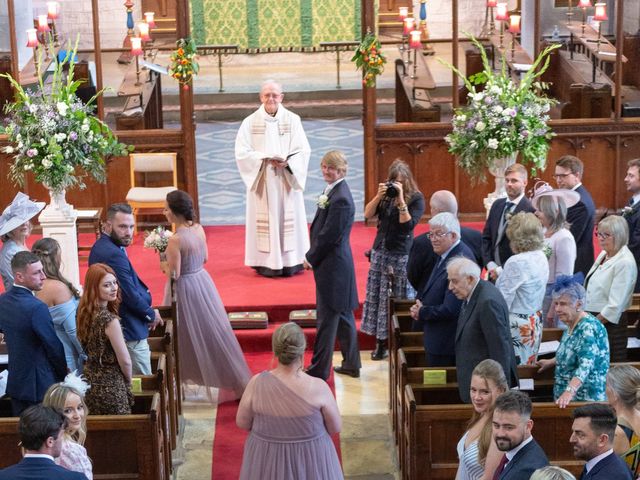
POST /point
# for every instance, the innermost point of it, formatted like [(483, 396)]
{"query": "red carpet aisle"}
[(228, 443)]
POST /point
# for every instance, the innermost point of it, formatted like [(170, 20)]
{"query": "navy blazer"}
[(330, 252), (135, 311), (492, 227), (528, 459), (36, 355), (422, 258), (483, 332), (610, 467), (438, 317), (633, 220), (39, 469), (581, 217), (397, 236)]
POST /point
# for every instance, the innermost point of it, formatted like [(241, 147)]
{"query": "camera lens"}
[(392, 191)]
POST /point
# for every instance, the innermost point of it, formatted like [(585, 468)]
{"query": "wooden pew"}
[(413, 103), (171, 313)]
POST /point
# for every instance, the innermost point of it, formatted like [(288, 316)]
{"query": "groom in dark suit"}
[(136, 313), (632, 212), (36, 355), (332, 262)]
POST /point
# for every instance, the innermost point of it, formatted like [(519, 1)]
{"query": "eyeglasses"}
[(561, 175), (603, 235), (439, 236)]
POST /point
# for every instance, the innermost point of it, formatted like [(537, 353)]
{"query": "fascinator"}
[(76, 382), (543, 189), (19, 211)]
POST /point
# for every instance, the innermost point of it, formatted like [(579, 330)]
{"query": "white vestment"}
[(276, 224)]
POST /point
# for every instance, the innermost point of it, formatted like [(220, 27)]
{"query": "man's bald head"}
[(443, 201)]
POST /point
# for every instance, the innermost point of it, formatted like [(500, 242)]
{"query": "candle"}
[(32, 38), (414, 39), (501, 12), (492, 3), (404, 13), (136, 46), (514, 23), (43, 23), (149, 18), (409, 25), (601, 13), (52, 10), (584, 4), (143, 27)]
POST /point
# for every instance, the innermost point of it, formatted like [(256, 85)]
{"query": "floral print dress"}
[(583, 353)]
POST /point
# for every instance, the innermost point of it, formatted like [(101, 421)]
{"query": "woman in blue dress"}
[(582, 360)]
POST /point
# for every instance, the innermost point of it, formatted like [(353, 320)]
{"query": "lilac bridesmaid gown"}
[(288, 439), (210, 354)]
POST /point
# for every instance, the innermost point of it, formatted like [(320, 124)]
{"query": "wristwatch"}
[(571, 389)]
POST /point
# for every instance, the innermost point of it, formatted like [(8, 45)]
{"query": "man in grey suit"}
[(483, 325), (331, 260)]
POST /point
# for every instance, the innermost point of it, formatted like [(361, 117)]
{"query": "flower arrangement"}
[(183, 63), (157, 239), (323, 201), (369, 58), (503, 117), (55, 136)]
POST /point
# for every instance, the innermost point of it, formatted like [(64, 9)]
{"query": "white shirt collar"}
[(446, 254), (38, 455), (512, 453), (471, 292), (577, 186), (636, 198), (330, 187), (27, 289), (516, 201), (592, 463)]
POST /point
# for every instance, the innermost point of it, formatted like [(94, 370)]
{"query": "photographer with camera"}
[(398, 206)]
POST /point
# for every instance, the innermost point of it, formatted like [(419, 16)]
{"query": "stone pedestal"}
[(60, 224)]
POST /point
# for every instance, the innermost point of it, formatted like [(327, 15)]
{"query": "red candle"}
[(149, 18), (492, 3), (514, 23), (43, 23), (414, 39), (32, 38), (136, 46), (52, 10), (501, 12), (601, 13), (409, 25), (143, 27), (404, 13)]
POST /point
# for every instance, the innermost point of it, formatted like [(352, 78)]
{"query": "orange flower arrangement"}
[(183, 64), (369, 58)]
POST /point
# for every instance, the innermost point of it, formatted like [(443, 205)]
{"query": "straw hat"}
[(543, 189), (19, 211)]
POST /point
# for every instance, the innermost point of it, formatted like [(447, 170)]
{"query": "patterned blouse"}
[(74, 457), (583, 353)]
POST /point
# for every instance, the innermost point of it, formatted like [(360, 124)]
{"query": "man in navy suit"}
[(36, 355), (136, 313), (568, 174), (632, 213), (332, 262), (41, 431), (512, 426), (592, 435), (436, 310), (495, 245), (422, 258)]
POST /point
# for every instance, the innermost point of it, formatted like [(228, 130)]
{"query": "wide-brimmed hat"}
[(543, 189), (19, 211)]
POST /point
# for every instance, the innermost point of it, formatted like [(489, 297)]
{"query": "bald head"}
[(443, 201)]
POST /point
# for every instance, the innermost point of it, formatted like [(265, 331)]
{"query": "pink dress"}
[(74, 457)]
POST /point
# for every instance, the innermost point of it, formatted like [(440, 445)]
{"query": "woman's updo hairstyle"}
[(180, 203), (288, 343)]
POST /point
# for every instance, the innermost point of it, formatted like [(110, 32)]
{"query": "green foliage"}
[(368, 57)]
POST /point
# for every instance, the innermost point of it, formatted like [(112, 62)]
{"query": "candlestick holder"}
[(569, 13)]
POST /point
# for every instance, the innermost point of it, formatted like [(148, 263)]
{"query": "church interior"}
[(393, 426)]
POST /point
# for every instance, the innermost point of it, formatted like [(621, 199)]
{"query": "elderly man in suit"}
[(436, 310), (136, 313), (332, 263), (422, 258), (592, 435), (36, 355), (483, 325), (495, 244), (41, 431), (512, 426), (568, 174), (632, 212)]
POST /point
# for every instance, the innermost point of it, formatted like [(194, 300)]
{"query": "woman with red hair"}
[(108, 366)]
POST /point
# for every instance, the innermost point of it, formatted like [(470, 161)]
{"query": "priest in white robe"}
[(272, 153)]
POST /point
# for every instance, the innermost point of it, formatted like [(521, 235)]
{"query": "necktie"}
[(507, 210), (500, 468), (631, 202), (584, 473)]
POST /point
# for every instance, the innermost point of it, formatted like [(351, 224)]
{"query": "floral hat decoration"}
[(543, 189), (19, 211)]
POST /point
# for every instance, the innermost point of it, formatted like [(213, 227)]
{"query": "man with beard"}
[(136, 313), (592, 436), (512, 433)]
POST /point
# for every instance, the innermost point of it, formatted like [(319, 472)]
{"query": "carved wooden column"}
[(369, 109)]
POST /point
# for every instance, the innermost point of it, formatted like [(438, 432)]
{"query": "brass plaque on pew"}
[(304, 318), (246, 320)]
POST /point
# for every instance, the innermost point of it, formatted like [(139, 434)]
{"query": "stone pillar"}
[(59, 222)]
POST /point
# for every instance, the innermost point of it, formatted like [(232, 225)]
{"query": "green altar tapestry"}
[(274, 23)]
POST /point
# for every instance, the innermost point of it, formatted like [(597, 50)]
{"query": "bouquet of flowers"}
[(183, 64), (158, 239), (370, 59), (55, 136), (503, 118)]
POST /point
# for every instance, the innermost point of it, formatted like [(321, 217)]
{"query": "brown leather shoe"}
[(347, 371)]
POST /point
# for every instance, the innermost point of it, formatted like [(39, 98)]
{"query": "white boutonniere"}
[(626, 211), (323, 201)]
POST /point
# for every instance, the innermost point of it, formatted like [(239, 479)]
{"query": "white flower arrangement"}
[(158, 239), (323, 201)]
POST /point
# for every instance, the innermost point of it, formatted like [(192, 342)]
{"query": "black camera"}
[(392, 191)]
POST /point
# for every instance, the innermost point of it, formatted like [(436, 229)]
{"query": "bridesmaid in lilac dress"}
[(290, 416), (210, 354)]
